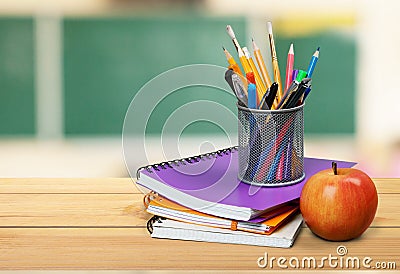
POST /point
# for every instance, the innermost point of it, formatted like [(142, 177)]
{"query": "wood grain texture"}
[(132, 248), (114, 185), (100, 224)]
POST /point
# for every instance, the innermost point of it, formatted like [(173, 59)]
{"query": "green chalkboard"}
[(17, 106), (107, 60), (330, 106)]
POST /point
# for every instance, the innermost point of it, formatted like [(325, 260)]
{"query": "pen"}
[(295, 96), (272, 94), (263, 104), (274, 169), (306, 92), (268, 97), (261, 64), (270, 153), (289, 66), (288, 159), (313, 63), (277, 74), (292, 89), (300, 76), (280, 170), (232, 62)]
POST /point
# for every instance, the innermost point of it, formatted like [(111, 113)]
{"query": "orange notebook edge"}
[(275, 218)]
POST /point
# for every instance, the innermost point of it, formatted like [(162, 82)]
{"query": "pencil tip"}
[(252, 39), (223, 48), (318, 49)]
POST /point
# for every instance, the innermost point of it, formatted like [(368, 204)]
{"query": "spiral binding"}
[(188, 160), (152, 220)]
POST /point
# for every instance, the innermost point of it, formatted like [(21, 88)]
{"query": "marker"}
[(289, 67), (292, 88), (313, 63), (295, 72), (277, 74), (250, 78), (252, 96)]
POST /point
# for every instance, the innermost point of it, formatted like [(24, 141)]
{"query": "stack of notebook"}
[(201, 199)]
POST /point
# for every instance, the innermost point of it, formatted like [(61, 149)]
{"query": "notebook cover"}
[(215, 180)]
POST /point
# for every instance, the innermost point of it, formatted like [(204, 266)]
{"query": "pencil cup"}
[(271, 146)]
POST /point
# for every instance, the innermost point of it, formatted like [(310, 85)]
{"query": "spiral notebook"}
[(170, 229), (208, 183)]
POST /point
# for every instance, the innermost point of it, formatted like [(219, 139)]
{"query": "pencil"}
[(275, 65), (242, 57), (261, 64), (289, 67), (313, 63), (232, 62), (259, 83)]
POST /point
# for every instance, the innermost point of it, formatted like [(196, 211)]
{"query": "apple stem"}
[(334, 168)]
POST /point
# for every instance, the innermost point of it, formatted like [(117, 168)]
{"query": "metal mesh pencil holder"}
[(271, 146)]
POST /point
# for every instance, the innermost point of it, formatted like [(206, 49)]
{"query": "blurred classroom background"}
[(69, 70)]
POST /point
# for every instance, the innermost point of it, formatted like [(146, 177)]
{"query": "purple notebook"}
[(209, 184)]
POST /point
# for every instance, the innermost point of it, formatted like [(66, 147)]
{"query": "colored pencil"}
[(313, 63), (289, 67)]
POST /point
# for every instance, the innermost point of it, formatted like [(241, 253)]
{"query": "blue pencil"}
[(313, 63)]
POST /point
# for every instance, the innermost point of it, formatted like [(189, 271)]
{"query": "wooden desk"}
[(100, 224)]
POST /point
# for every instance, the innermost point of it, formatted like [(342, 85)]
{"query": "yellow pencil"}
[(277, 74), (261, 65), (232, 62), (242, 58), (259, 83)]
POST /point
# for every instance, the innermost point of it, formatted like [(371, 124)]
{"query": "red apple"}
[(339, 204)]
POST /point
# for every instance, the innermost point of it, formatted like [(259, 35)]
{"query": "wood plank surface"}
[(114, 185), (100, 224), (132, 248), (115, 210)]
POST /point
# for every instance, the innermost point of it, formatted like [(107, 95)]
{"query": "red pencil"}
[(289, 67)]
